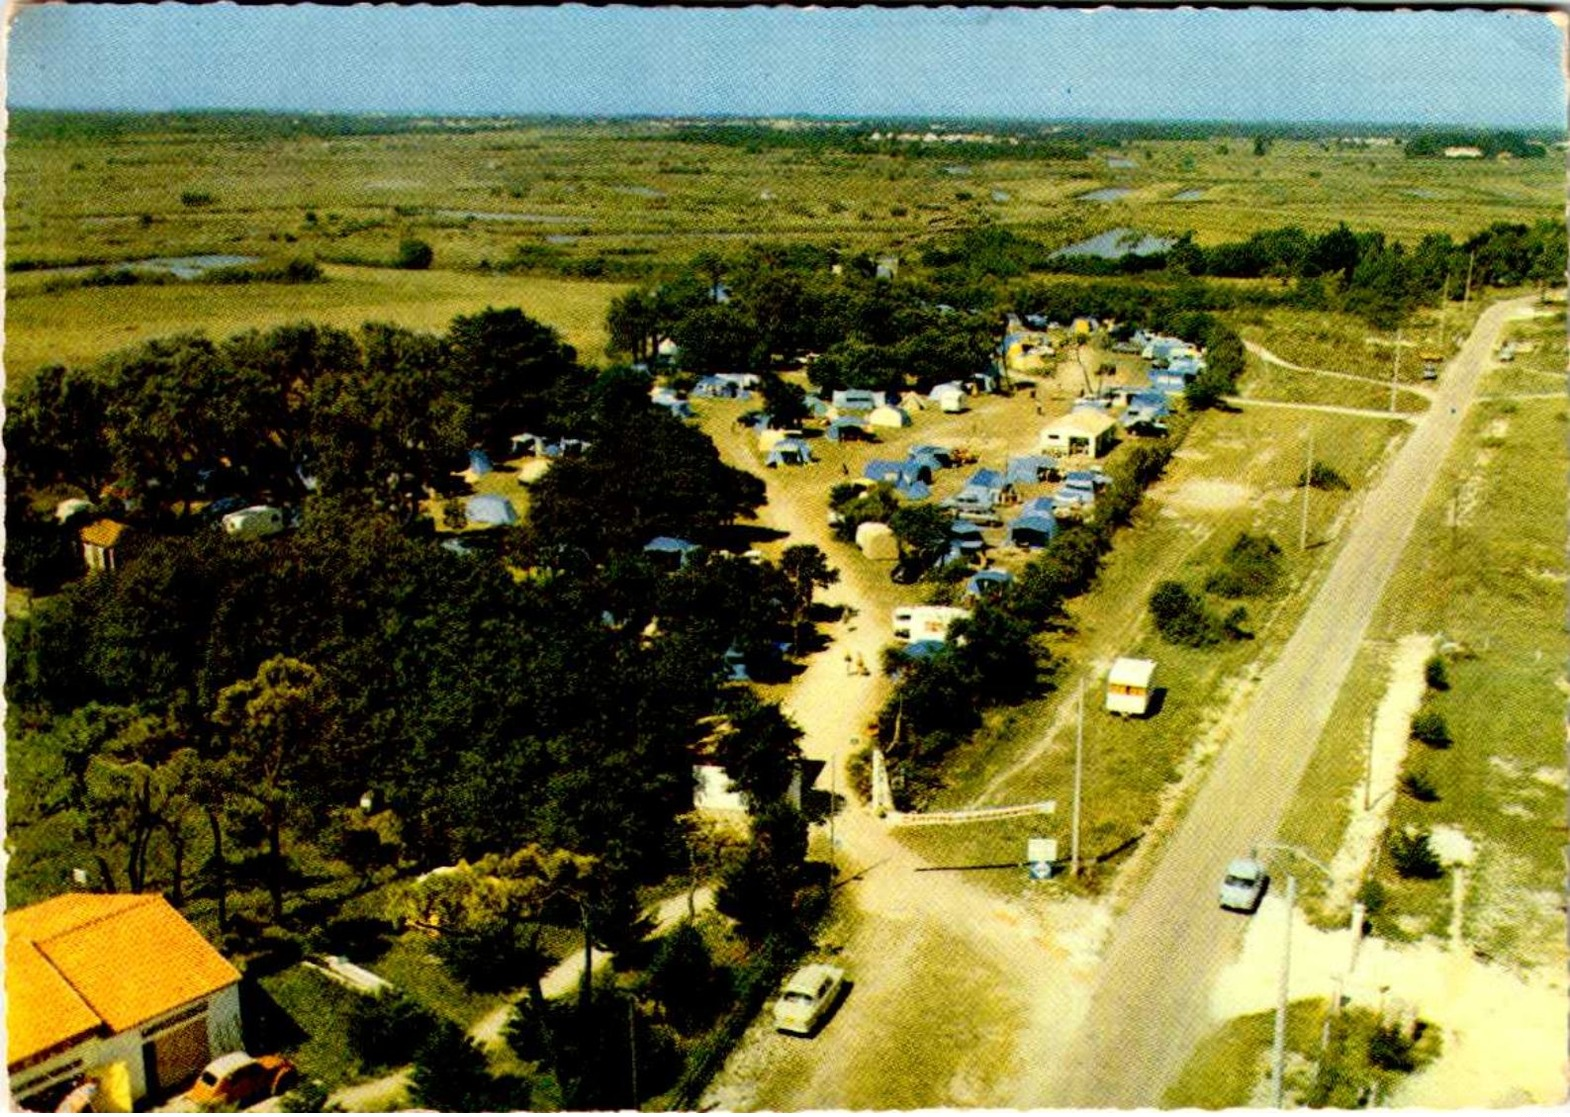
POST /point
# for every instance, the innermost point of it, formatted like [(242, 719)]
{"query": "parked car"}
[(1244, 885), (807, 998), (239, 1080)]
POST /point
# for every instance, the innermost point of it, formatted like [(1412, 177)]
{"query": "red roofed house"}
[(93, 980)]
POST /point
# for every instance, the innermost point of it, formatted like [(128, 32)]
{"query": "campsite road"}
[(1150, 1006)]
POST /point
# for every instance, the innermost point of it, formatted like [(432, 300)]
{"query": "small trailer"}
[(1129, 686)]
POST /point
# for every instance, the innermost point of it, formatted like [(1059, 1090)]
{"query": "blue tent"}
[(1029, 469), (913, 490), (922, 649), (882, 469), (490, 509), (1037, 506), (1032, 531), (479, 463), (984, 582), (938, 457), (789, 451), (967, 536), (669, 545)]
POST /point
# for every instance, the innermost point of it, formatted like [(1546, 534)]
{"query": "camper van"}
[(257, 522), (916, 623)]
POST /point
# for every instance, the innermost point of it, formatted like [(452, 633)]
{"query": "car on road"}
[(807, 998), (238, 1080), (1244, 885)]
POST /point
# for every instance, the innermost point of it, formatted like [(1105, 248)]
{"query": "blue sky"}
[(1421, 67)]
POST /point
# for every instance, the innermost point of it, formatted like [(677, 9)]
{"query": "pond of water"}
[(1188, 196), (1105, 194)]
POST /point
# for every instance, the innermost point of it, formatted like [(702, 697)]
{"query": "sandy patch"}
[(1202, 495), (1392, 724), (1505, 765), (1504, 1036), (1452, 846), (1553, 777)]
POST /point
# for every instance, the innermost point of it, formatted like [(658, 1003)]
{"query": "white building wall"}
[(225, 1031)]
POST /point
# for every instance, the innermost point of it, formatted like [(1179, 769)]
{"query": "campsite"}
[(518, 587)]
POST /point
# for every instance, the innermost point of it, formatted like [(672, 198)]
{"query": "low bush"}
[(1322, 476), (1413, 856), (414, 255), (387, 1030), (1182, 617), (1251, 568), (1419, 786), (1434, 674), (1429, 727)]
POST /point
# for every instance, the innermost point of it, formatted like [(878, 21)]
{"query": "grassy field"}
[(588, 188), (76, 326), (1484, 569)]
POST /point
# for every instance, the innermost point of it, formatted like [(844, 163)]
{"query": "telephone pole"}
[(1395, 371), (1079, 769), (1308, 483)]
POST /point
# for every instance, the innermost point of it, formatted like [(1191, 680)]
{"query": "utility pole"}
[(1278, 1050), (1079, 768), (834, 763), (1308, 483), (1368, 775), (1395, 371)]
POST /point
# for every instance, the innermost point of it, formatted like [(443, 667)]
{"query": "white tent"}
[(877, 541), (886, 416)]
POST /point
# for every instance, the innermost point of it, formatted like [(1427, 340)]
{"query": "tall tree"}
[(271, 725)]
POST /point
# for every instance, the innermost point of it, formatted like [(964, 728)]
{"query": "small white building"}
[(1090, 433), (917, 623), (1129, 686)]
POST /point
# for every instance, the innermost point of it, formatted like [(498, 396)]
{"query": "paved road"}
[(1151, 1004)]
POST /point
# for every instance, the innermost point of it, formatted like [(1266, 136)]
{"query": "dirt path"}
[(1327, 408), (1271, 359), (565, 976), (943, 971), (1150, 1005), (1370, 807), (380, 1095)]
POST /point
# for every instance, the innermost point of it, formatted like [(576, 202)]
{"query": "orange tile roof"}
[(126, 959), (103, 533), (42, 1010)]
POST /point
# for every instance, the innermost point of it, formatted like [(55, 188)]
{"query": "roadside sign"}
[(1040, 853)]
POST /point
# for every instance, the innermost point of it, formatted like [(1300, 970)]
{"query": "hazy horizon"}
[(1439, 68)]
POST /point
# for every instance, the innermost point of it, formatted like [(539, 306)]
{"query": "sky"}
[(1465, 67)]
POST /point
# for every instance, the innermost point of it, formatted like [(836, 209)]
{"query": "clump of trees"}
[(1250, 568)]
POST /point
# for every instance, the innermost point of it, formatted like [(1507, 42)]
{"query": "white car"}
[(807, 998), (1244, 885)]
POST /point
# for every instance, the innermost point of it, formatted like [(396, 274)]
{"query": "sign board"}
[(1040, 853)]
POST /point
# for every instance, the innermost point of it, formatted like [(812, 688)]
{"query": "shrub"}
[(1181, 617), (683, 978), (1251, 568), (1419, 786), (1372, 896), (414, 255), (1390, 1049), (1434, 674), (1413, 856), (450, 1072), (386, 1030), (195, 198), (1429, 727), (490, 957), (1322, 476)]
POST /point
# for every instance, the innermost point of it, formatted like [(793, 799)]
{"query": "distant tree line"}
[(1428, 145)]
